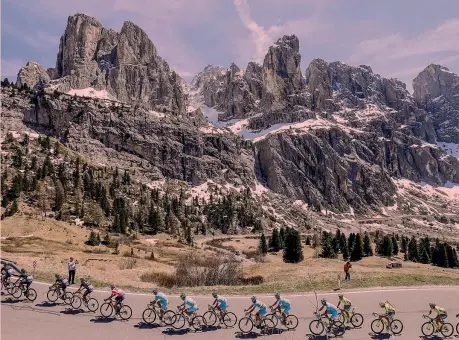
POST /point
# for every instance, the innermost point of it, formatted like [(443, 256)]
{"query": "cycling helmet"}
[(112, 286), (324, 301), (382, 304), (432, 304), (277, 296), (214, 294), (254, 299), (155, 291), (57, 276), (183, 296), (22, 270), (340, 296), (82, 280)]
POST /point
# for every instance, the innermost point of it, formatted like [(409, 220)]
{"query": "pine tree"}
[(293, 251), (327, 249), (385, 247), (395, 245), (263, 247), (350, 241), (367, 248), (345, 251), (413, 254), (440, 256), (274, 242), (357, 249), (424, 258), (282, 237), (452, 259), (335, 243), (404, 244)]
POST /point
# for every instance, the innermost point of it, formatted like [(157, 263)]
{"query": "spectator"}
[(347, 268), (72, 270)]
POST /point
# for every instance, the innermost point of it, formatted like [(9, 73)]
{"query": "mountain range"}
[(339, 139)]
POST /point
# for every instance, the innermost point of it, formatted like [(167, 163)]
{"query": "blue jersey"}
[(331, 309), (284, 303), (259, 304), (86, 285), (190, 302), (162, 299)]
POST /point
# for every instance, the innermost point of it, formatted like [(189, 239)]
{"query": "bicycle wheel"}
[(125, 312), (179, 321), (68, 298), (229, 319), (268, 326), (273, 318), (31, 294), (106, 310), (396, 326), (447, 329), (92, 305), (210, 317), (316, 327), (169, 317), (53, 295), (338, 328), (341, 317), (76, 302), (356, 320), (291, 321), (377, 326), (246, 325), (16, 292), (457, 328), (198, 322), (427, 328), (149, 315)]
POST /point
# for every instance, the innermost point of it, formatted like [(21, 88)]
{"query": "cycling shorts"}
[(119, 298), (223, 306), (443, 316), (87, 292), (192, 309), (263, 311), (347, 308)]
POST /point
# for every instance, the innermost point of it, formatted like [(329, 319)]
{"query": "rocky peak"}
[(281, 72), (436, 89), (134, 46), (33, 74)]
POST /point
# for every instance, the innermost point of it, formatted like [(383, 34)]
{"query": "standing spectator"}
[(347, 268), (72, 270)]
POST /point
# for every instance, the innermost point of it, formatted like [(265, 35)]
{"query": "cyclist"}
[(262, 310), (189, 305), (282, 305), (161, 301), (119, 296), (63, 283), (25, 279), (346, 306), (331, 310), (389, 312), (7, 272), (441, 314), (220, 303), (88, 289)]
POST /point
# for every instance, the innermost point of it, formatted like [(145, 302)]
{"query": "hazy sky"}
[(397, 38)]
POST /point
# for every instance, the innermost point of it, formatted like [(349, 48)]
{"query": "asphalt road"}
[(43, 321)]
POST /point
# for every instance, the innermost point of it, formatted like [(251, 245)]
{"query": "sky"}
[(396, 38)]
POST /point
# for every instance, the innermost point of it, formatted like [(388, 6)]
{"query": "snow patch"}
[(91, 92)]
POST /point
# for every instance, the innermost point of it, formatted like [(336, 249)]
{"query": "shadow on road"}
[(143, 325), (382, 336), (251, 335), (69, 311), (10, 301), (46, 304), (173, 331), (432, 337), (102, 319), (316, 337)]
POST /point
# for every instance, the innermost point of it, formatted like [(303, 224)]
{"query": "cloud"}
[(10, 68)]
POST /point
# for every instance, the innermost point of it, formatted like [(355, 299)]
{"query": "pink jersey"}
[(117, 292)]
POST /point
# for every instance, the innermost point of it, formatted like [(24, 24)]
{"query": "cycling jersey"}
[(86, 285), (262, 310), (162, 299), (117, 292), (390, 310), (345, 302), (284, 304), (332, 310), (190, 305), (26, 278), (63, 282), (222, 303), (441, 312)]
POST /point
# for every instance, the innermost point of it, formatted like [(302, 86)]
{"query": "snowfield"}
[(91, 92)]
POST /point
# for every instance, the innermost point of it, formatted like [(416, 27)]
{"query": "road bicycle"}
[(108, 308), (8, 284), (377, 325), (91, 304), (457, 326), (178, 319), (55, 292), (430, 327), (247, 323), (356, 319), (213, 315), (290, 321), (18, 289), (151, 312), (319, 325)]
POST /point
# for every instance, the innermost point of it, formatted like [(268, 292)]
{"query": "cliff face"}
[(125, 64), (436, 90)]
